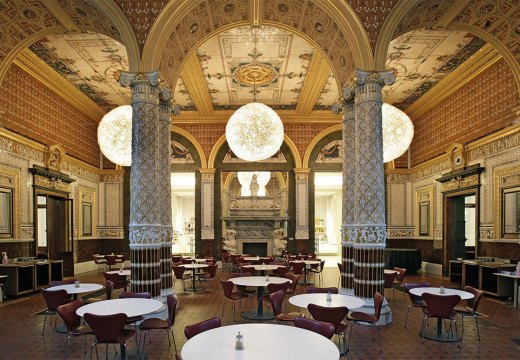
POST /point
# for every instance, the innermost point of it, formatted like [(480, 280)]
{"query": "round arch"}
[(194, 141), (287, 140), (353, 38), (316, 140), (400, 11)]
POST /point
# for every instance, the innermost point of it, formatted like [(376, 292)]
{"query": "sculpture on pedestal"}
[(279, 243), (230, 243)]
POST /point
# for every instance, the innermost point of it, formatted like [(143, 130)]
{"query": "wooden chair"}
[(160, 324), (209, 275), (317, 290), (73, 322), (99, 261), (227, 287), (364, 318), (471, 309), (53, 299), (389, 280), (333, 315), (323, 328), (118, 280), (318, 270), (276, 300), (179, 273), (440, 307), (111, 261), (205, 325), (398, 282), (108, 329), (415, 301)]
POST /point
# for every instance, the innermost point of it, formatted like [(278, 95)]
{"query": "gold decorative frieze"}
[(50, 183)]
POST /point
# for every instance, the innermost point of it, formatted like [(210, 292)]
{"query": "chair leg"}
[(457, 334), (406, 320), (173, 338), (379, 335), (423, 328), (44, 322), (350, 334), (476, 322)]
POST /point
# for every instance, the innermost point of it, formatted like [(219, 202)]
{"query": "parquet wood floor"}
[(20, 332)]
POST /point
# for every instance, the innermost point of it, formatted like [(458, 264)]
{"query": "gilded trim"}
[(502, 179), (315, 140), (422, 195), (194, 142), (10, 178)]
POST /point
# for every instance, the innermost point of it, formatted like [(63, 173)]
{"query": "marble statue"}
[(279, 243), (254, 187), (230, 242)]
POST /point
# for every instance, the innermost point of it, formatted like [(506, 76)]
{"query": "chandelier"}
[(397, 132), (115, 135)]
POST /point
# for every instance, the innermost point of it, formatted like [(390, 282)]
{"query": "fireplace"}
[(254, 248)]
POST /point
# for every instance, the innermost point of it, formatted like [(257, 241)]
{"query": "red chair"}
[(389, 280), (317, 290), (440, 307), (471, 309), (273, 287), (180, 274), (118, 280), (227, 287), (53, 299), (399, 279), (109, 286), (160, 324), (111, 261), (134, 320), (318, 269), (277, 299), (209, 275), (297, 267), (194, 329), (415, 301), (98, 261), (241, 288), (294, 278), (323, 328), (108, 329), (281, 271), (73, 322), (364, 318), (333, 315)]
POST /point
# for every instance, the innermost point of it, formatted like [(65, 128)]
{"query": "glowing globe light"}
[(254, 132), (397, 132), (115, 135)]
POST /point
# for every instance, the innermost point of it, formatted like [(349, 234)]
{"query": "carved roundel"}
[(255, 74)]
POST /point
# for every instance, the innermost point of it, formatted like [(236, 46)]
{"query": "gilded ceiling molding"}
[(317, 75), (61, 15), (196, 85), (315, 140), (397, 14), (287, 116), (42, 72), (175, 15), (194, 142), (114, 13), (451, 14), (290, 144), (467, 71)]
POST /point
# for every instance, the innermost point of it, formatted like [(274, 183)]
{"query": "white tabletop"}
[(513, 276), (464, 295), (307, 262), (131, 307), (303, 300), (254, 258), (122, 273), (261, 267), (258, 280), (201, 260), (72, 289), (261, 341), (194, 266), (390, 271)]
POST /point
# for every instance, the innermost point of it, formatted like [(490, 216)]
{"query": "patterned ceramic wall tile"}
[(40, 114)]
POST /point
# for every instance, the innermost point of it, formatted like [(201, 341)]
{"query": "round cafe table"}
[(302, 300), (74, 291), (194, 268), (390, 271), (261, 341), (437, 335), (255, 258), (122, 273), (262, 268), (306, 262), (260, 282)]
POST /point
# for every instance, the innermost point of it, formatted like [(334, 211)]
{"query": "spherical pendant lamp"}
[(397, 132), (254, 132), (115, 135)]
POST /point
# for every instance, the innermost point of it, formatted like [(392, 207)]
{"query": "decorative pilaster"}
[(207, 203), (368, 231), (165, 191), (302, 207), (145, 230), (349, 190)]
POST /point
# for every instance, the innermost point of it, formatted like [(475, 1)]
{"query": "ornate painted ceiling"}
[(272, 64)]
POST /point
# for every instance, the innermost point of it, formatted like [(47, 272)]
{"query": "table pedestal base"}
[(254, 315)]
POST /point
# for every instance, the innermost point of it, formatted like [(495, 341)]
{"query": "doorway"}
[(327, 212), (54, 230), (183, 212), (461, 226)]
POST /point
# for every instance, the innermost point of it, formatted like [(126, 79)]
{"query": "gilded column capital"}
[(129, 78), (381, 77)]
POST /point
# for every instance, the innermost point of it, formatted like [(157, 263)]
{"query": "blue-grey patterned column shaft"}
[(348, 195), (368, 232), (165, 191), (145, 223)]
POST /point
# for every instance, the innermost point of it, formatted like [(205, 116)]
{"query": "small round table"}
[(306, 262), (122, 273), (437, 335), (255, 258), (263, 268), (261, 341), (74, 291), (259, 282), (193, 268), (351, 302)]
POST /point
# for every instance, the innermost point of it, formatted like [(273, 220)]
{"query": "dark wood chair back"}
[(333, 315), (106, 328), (323, 328), (205, 325), (318, 290), (135, 295), (54, 298), (68, 313), (440, 306)]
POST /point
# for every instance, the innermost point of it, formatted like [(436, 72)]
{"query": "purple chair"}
[(317, 290), (415, 301), (333, 315), (109, 329), (323, 328), (205, 325), (158, 324), (73, 322), (361, 317), (227, 287), (53, 299), (440, 307)]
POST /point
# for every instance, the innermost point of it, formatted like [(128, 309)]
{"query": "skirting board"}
[(431, 268)]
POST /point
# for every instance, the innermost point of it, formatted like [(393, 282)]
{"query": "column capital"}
[(381, 77), (302, 170), (129, 78), (207, 170), (165, 96)]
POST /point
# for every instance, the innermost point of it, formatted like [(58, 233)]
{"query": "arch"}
[(349, 31), (401, 10), (290, 144), (194, 141), (316, 139)]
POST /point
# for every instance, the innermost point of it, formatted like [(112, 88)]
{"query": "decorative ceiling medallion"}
[(258, 74)]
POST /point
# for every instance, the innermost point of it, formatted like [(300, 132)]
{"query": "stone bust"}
[(254, 186)]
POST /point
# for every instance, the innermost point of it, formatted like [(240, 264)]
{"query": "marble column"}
[(207, 203), (145, 229), (348, 191), (302, 209), (165, 191), (368, 231)]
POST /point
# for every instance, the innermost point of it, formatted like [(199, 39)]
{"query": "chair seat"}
[(125, 334), (427, 313), (81, 330), (238, 295), (464, 310), (134, 319), (289, 316), (153, 323), (360, 316)]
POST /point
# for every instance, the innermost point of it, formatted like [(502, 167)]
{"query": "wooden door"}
[(59, 232)]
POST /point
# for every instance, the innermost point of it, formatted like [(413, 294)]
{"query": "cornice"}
[(466, 72), (42, 72), (315, 79), (287, 116)]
